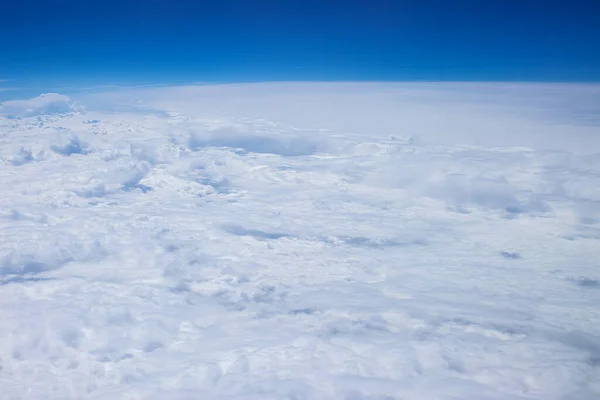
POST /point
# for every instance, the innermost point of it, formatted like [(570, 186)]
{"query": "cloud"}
[(49, 103), (551, 116), (247, 140), (302, 240)]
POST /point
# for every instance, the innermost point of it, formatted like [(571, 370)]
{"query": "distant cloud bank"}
[(49, 103)]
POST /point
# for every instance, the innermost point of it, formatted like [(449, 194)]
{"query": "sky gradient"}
[(152, 41)]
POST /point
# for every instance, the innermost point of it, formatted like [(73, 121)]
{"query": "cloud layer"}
[(44, 104), (301, 241)]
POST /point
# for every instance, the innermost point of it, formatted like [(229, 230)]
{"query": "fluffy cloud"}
[(48, 103), (309, 241)]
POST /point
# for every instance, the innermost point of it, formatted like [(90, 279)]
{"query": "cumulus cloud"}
[(48, 103), (302, 241)]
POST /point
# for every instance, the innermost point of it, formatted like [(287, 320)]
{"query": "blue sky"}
[(157, 41)]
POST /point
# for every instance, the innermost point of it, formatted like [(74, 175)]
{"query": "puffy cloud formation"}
[(48, 103), (302, 241)]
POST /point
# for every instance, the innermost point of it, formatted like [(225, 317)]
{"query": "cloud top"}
[(47, 103)]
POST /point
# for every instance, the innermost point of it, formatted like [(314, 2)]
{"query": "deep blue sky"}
[(152, 41)]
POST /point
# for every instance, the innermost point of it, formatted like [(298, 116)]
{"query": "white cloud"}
[(48, 103), (302, 241), (516, 115)]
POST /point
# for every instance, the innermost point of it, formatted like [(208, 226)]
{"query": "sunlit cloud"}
[(301, 240)]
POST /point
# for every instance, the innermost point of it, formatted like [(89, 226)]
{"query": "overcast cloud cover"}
[(302, 241)]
